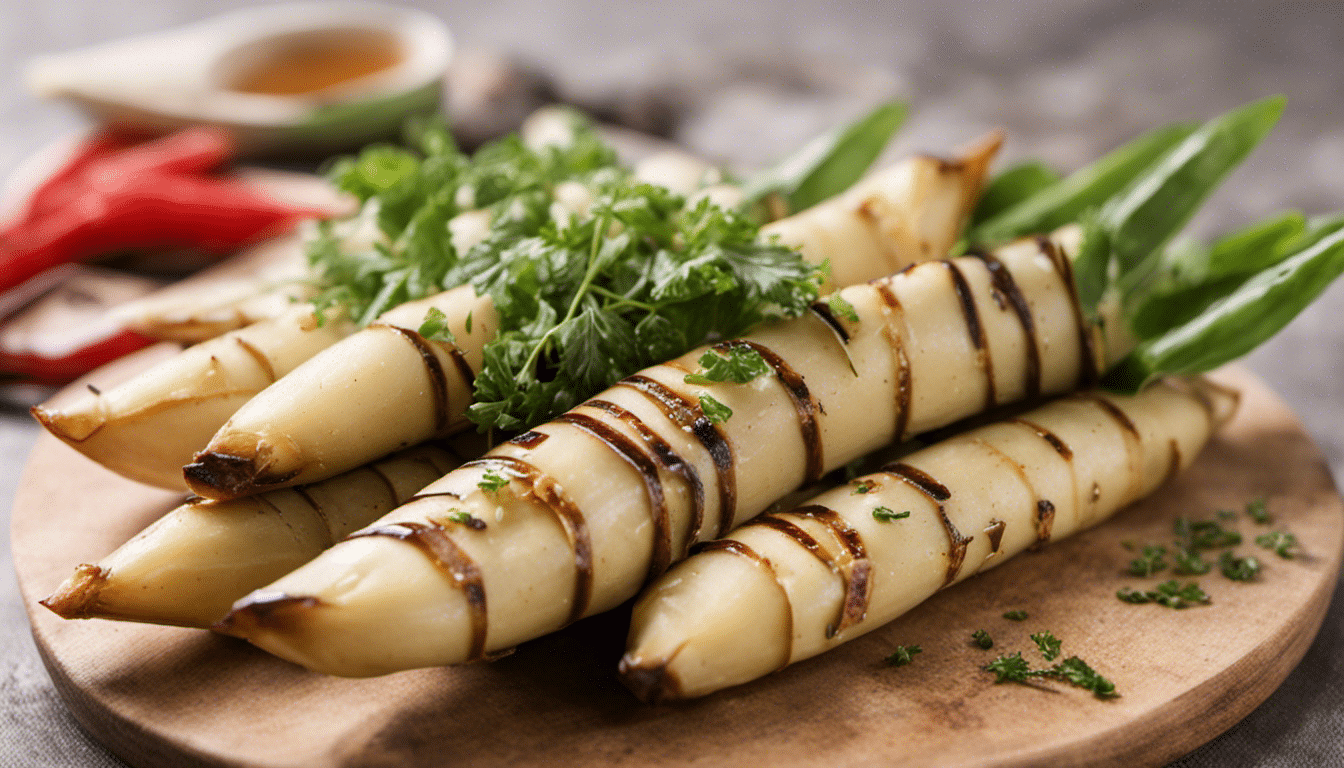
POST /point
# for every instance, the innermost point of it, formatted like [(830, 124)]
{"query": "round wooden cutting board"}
[(171, 697)]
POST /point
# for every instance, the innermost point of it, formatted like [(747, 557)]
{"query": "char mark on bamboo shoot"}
[(231, 476), (938, 493), (892, 315), (823, 311), (669, 460), (1050, 437), (1005, 290), (1112, 410), (976, 328), (529, 439), (76, 598), (994, 531), (857, 578), (1045, 522), (686, 413), (263, 362), (1174, 466), (548, 492), (803, 402), (438, 380), (648, 472), (269, 612), (435, 543), (1088, 375)]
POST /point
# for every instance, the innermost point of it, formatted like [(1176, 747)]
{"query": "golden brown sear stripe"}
[(803, 404), (892, 310), (546, 491), (449, 558), (669, 460), (1006, 287), (686, 413), (857, 578), (263, 361), (433, 368), (529, 439), (956, 542), (648, 472), (1050, 437), (1111, 410)]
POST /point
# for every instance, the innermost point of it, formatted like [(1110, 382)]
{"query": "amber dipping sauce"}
[(299, 64)]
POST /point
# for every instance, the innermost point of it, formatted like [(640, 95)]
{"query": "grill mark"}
[(545, 490), (530, 439), (1174, 467), (669, 460), (1045, 521), (1113, 411), (686, 413), (434, 495), (803, 404), (1021, 473), (975, 328), (449, 558), (302, 492), (857, 580), (1006, 286), (648, 472), (920, 479), (433, 369), (1087, 368), (891, 308), (823, 311), (387, 481), (956, 542), (740, 549), (263, 361), (995, 533), (1050, 437)]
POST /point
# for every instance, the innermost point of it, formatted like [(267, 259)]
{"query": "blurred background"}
[(744, 82)]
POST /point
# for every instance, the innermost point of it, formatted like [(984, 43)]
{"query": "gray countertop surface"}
[(748, 80)]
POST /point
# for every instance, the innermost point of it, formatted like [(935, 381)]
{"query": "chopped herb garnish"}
[(435, 326), (842, 308), (1170, 593), (1283, 543), (1238, 568), (467, 324), (885, 515), (492, 481), (982, 639), (1010, 669), (1258, 510), (903, 655), (738, 365), (1149, 561), (716, 412), (1073, 670), (1190, 563), (1225, 514), (1205, 534), (1048, 644), (1015, 615), (465, 518), (861, 487)]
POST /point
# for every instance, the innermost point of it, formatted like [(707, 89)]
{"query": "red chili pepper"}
[(28, 366), (149, 195)]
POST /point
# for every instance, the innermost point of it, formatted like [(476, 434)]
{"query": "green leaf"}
[(716, 412), (1157, 204), (1065, 201), (1238, 568), (737, 365), (885, 515), (1048, 645), (830, 163), (435, 326), (1237, 323), (903, 655), (1010, 188)]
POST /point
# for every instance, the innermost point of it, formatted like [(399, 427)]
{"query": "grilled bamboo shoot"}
[(149, 426), (610, 493), (918, 206), (787, 586), (192, 564)]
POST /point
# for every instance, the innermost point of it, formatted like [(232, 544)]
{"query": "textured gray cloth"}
[(1066, 78)]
